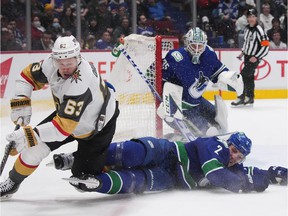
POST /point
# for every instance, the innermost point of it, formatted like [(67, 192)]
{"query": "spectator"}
[(276, 27), (13, 9), (283, 20), (122, 30), (240, 25), (68, 20), (104, 17), (143, 28), (211, 35), (276, 42), (228, 13), (8, 42), (123, 10), (36, 29), (56, 29), (47, 19), (156, 10), (37, 8), (93, 27), (19, 37), (45, 43), (90, 42), (265, 17), (251, 3), (105, 42)]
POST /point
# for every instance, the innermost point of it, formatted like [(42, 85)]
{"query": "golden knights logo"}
[(75, 76), (62, 46)]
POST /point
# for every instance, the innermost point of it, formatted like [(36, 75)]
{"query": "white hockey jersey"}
[(78, 99)]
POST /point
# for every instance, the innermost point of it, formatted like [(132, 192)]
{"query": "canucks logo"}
[(199, 86), (75, 76)]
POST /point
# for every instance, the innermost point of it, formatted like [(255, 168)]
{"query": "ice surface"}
[(45, 194)]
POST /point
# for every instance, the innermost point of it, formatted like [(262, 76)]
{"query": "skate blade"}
[(87, 182), (237, 106), (50, 164), (6, 197)]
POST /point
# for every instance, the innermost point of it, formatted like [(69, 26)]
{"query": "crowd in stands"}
[(103, 22)]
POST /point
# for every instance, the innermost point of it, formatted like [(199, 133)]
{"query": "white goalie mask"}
[(195, 43), (66, 47)]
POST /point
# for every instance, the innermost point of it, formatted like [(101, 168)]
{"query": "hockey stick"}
[(179, 123), (9, 146)]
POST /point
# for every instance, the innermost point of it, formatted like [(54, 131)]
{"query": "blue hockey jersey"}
[(209, 158), (179, 69)]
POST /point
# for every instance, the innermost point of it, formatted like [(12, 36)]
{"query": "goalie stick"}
[(9, 146), (179, 123)]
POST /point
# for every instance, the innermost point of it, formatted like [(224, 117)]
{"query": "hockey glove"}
[(278, 175), (24, 137), (21, 107)]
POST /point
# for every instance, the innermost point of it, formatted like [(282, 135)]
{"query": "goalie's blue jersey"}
[(179, 69)]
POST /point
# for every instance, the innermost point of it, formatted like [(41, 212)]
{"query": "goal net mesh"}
[(136, 101)]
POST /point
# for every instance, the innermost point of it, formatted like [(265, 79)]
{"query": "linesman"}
[(256, 46)]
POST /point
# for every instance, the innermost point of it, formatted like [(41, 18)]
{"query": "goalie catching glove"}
[(25, 137), (21, 108)]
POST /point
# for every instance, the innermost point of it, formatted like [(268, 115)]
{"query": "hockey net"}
[(137, 103)]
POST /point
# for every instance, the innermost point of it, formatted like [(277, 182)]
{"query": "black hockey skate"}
[(63, 161), (249, 101), (8, 188), (84, 183), (239, 102)]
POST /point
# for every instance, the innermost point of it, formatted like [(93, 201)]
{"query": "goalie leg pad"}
[(221, 114)]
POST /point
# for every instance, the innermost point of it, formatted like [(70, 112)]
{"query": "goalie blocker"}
[(171, 108)]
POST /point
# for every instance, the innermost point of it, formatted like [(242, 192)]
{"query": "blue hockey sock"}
[(123, 181)]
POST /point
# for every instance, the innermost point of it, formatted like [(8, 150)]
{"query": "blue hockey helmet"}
[(241, 142)]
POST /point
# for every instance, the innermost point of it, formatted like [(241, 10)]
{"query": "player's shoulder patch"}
[(177, 56)]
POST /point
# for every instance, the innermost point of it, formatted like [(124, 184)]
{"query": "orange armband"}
[(265, 43)]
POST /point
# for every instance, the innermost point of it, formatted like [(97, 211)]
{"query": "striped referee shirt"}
[(256, 42)]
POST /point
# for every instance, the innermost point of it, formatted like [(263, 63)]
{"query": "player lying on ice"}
[(191, 68), (150, 164)]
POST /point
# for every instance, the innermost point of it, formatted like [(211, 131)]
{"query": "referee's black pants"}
[(248, 77)]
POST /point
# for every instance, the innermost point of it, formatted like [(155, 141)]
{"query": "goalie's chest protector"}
[(193, 78)]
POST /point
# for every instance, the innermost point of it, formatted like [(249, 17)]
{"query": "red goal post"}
[(136, 102)]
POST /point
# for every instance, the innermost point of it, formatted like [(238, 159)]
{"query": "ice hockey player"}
[(150, 164), (189, 69), (86, 111)]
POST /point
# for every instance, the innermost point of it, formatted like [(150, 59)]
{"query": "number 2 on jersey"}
[(219, 148)]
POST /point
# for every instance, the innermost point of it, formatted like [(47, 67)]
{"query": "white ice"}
[(45, 194)]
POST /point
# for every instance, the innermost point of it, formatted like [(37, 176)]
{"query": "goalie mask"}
[(195, 43), (65, 48)]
